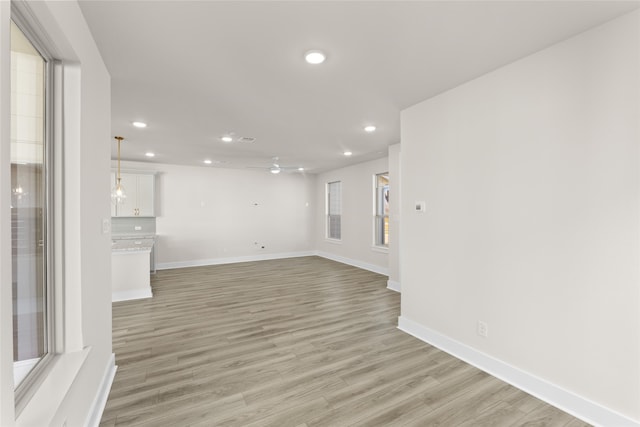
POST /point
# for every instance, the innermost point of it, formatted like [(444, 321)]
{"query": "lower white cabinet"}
[(130, 275)]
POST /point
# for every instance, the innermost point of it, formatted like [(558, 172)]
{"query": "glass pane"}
[(334, 210), (335, 198), (385, 240), (382, 230), (382, 209), (28, 200), (382, 205), (334, 227)]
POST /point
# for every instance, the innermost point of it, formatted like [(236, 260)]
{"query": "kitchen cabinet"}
[(130, 269), (140, 191)]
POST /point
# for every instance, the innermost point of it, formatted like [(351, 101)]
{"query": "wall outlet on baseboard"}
[(483, 329)]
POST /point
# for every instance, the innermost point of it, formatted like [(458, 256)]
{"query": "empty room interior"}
[(320, 213)]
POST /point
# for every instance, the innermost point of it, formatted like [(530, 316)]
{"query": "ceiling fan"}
[(276, 167)]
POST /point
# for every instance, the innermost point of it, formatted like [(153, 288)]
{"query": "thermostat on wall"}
[(420, 207)]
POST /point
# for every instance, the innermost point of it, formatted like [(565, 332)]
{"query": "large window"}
[(30, 202), (381, 220), (334, 210)]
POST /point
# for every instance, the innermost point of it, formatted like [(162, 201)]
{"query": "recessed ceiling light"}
[(301, 169), (314, 57), (226, 138), (275, 170), (348, 153), (369, 128), (208, 162), (149, 154), (139, 124)]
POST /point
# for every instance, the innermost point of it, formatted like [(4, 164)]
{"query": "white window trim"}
[(7, 408), (32, 374), (326, 214), (67, 350), (22, 368), (375, 247), (67, 353), (333, 241), (379, 248), (51, 391)]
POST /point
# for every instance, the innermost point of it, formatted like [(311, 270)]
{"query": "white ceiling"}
[(196, 70)]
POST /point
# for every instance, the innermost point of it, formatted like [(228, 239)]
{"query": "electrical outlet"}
[(106, 226), (483, 329)]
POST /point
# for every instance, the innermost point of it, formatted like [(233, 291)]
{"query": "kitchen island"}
[(130, 265)]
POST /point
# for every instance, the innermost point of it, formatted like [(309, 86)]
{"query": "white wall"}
[(87, 250), (208, 215), (357, 244), (531, 180)]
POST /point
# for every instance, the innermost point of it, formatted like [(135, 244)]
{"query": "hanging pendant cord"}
[(119, 138)]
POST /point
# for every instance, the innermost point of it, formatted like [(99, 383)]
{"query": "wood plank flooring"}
[(294, 342)]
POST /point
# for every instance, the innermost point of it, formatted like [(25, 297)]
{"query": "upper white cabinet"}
[(146, 195), (140, 191)]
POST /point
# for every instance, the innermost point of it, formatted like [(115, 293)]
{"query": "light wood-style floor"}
[(294, 342)]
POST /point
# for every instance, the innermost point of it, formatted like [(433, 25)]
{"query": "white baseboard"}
[(578, 406), (355, 263), (131, 295), (100, 401), (393, 285), (231, 260)]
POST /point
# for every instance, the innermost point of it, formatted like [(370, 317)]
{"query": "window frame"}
[(68, 349), (328, 215), (37, 374), (377, 216)]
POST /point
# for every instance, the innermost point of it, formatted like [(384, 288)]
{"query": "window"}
[(30, 213), (334, 210), (43, 165), (381, 220)]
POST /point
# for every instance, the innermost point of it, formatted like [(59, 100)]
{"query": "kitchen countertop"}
[(127, 236), (132, 245)]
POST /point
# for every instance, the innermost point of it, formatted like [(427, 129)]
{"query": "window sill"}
[(58, 378), (22, 368), (333, 241), (380, 249)]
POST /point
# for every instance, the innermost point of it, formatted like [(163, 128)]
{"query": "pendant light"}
[(118, 195)]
